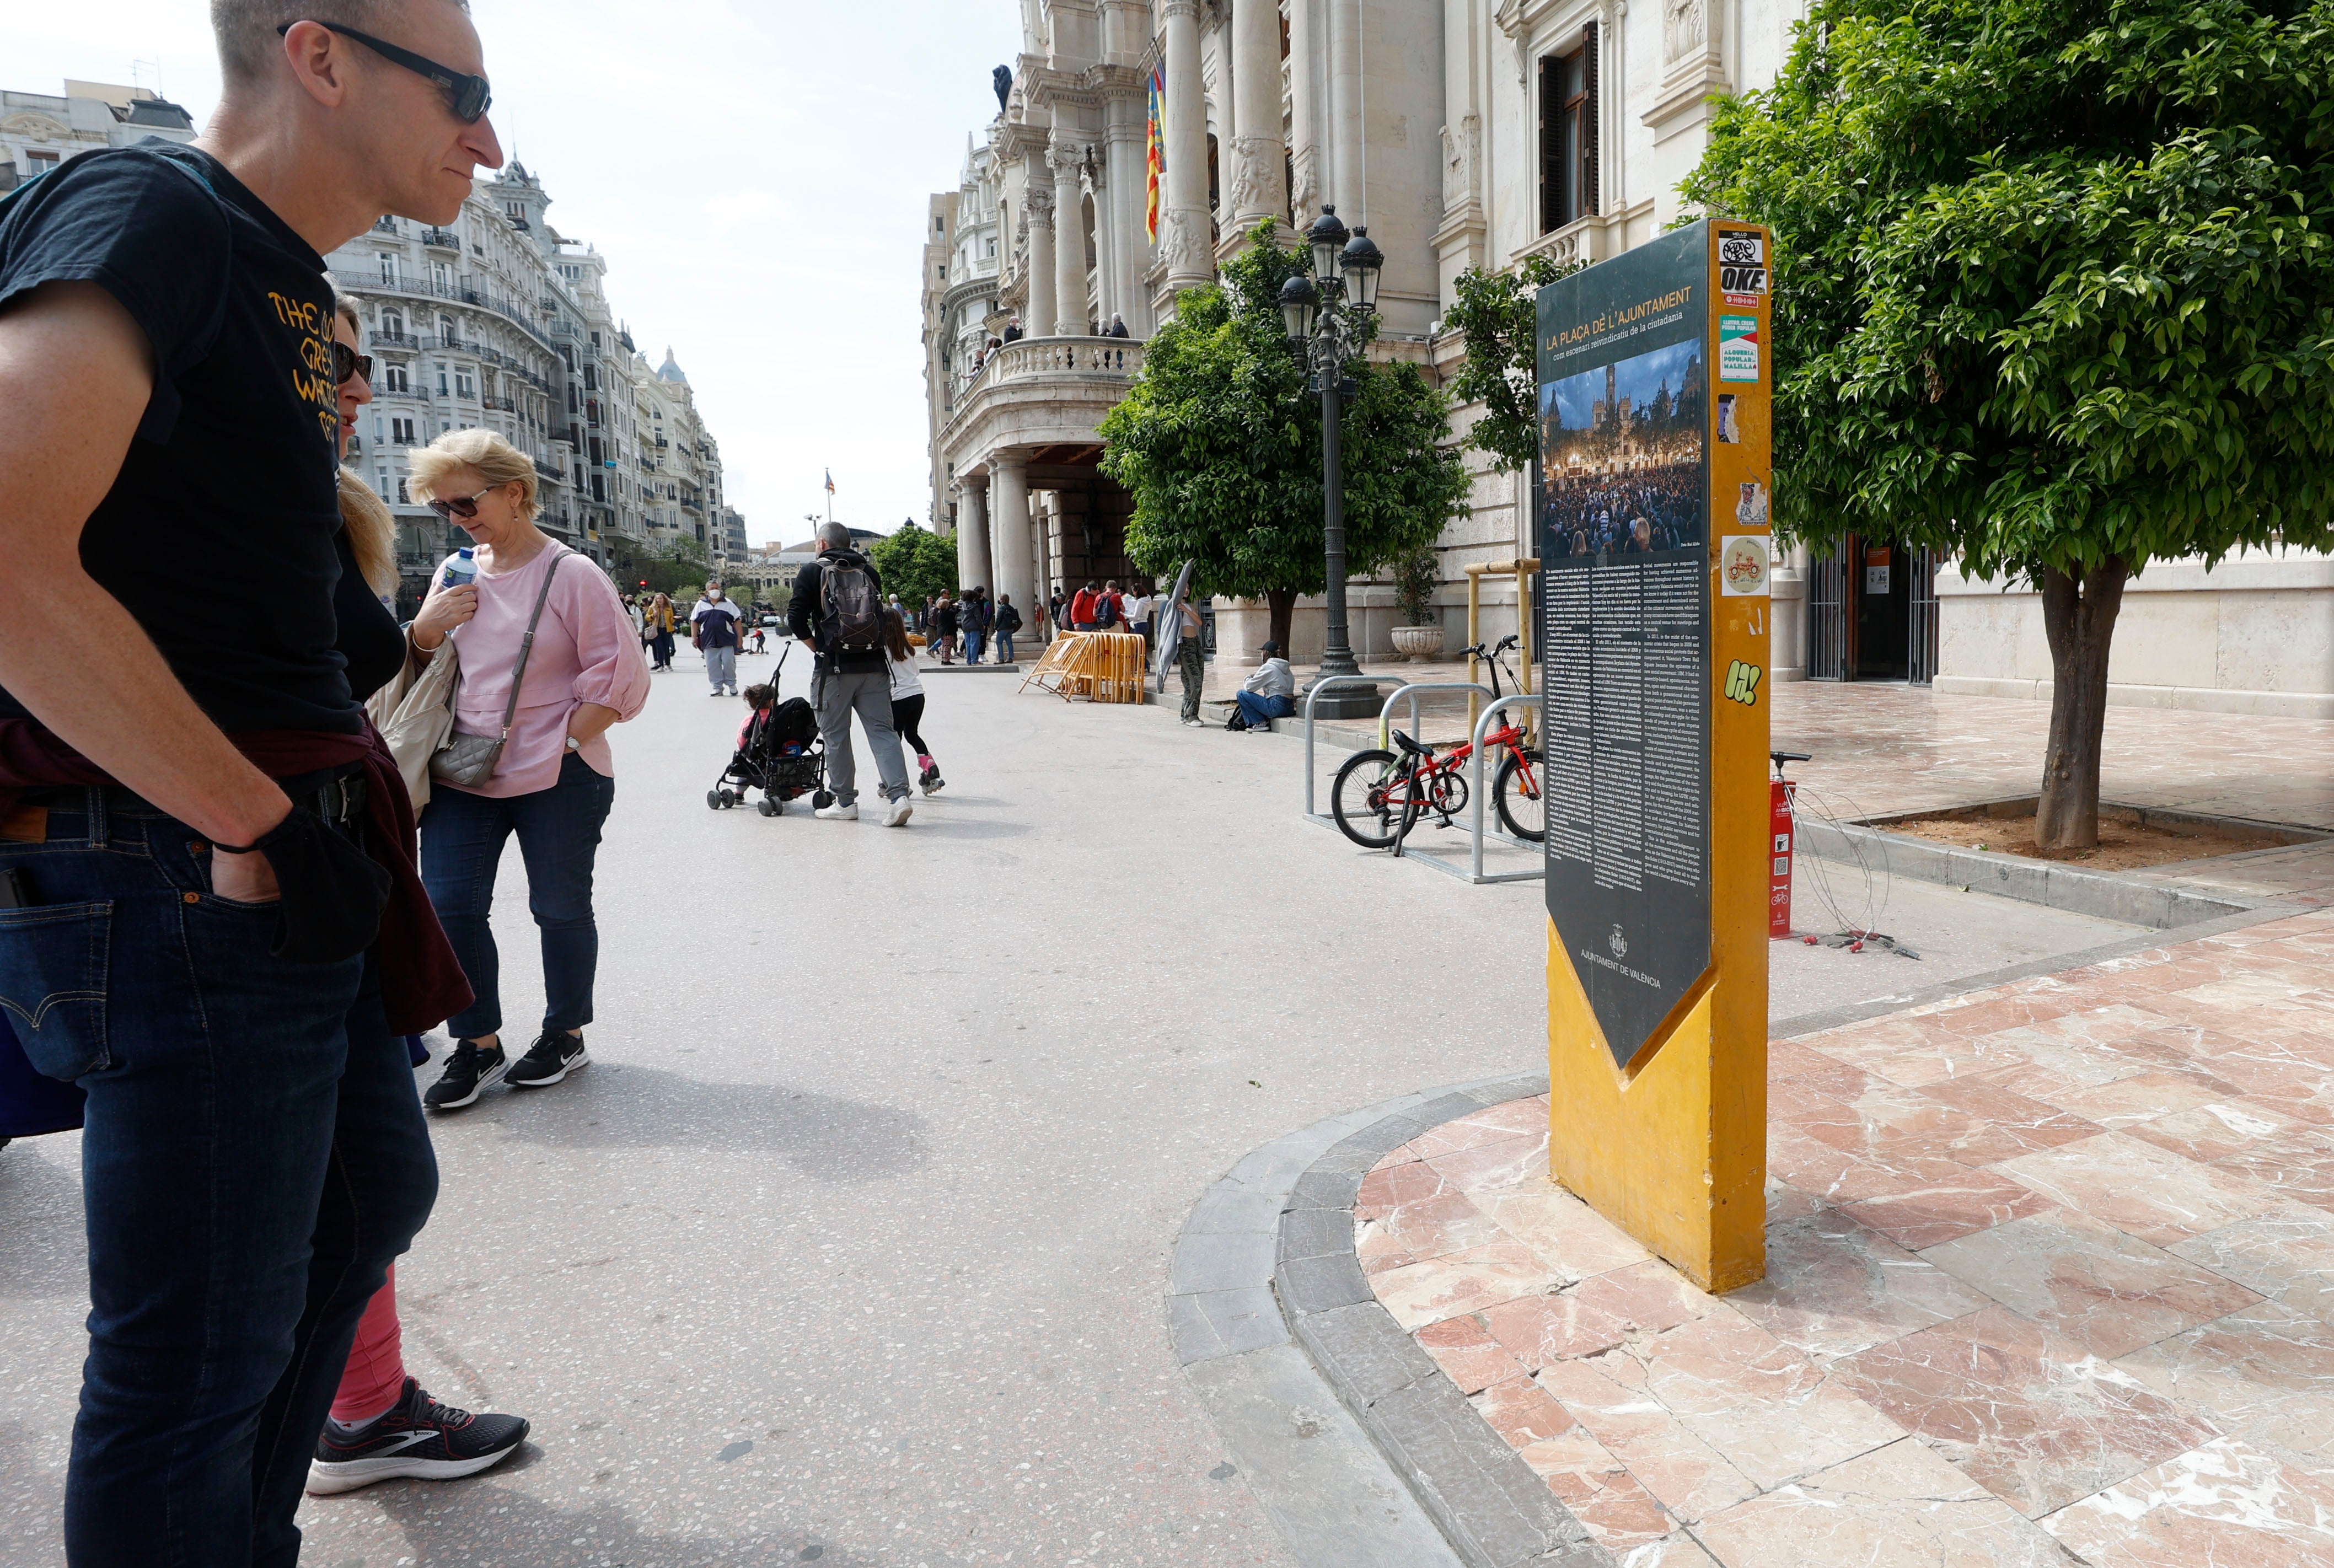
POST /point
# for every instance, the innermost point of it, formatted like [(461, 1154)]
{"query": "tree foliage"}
[(2054, 293), (2053, 278), (915, 564), (1219, 443), (1497, 314)]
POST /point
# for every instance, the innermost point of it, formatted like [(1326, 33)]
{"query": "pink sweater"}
[(584, 651)]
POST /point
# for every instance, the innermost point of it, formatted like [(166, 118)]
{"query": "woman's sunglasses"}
[(461, 505), (347, 362), (467, 96)]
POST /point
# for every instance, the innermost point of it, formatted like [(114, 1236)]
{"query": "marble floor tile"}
[(1804, 1162), (2145, 1097), (1537, 1330), (1492, 1124), (1375, 1244), (1834, 1287), (2209, 1132), (1509, 1162), (2264, 1373), (1943, 1058), (1522, 1412), (1619, 1512), (2019, 1124), (1607, 1395), (2089, 1280), (2031, 1416), (1862, 1044), (1467, 1353), (1390, 1185), (2287, 1256), (1571, 1237), (2021, 1006), (1879, 1117), (1463, 1282), (2139, 1189), (2223, 1504), (1768, 1409), (1947, 1204), (1900, 1506), (1433, 1227), (1789, 1058)]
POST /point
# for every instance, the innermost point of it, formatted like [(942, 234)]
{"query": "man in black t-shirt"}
[(254, 1155)]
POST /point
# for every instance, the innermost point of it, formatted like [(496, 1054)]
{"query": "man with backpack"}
[(837, 610), (713, 627), (974, 614)]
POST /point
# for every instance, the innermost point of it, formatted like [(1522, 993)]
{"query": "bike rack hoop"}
[(1311, 696), (1475, 789)]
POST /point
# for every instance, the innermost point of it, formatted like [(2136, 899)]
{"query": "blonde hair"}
[(373, 534), (484, 453), (246, 29)]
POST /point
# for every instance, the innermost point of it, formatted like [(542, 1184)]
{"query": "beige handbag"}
[(469, 760), (415, 714)]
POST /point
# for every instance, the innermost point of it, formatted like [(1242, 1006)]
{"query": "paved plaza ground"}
[(851, 1246)]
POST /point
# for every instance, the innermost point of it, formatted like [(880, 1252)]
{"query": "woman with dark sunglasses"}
[(552, 781), (383, 1423)]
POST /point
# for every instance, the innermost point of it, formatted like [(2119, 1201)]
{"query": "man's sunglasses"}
[(467, 96), (461, 505), (347, 362)]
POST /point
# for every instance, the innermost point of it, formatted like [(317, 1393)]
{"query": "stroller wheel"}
[(731, 797), (713, 800), (768, 807), (821, 801)]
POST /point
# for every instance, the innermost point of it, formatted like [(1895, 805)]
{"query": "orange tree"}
[(2054, 291)]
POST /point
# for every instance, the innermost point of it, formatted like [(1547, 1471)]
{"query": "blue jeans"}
[(462, 839), (1258, 708), (974, 641), (1004, 648), (255, 1158)]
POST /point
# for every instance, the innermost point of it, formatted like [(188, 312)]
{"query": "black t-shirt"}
[(218, 535), (371, 641)]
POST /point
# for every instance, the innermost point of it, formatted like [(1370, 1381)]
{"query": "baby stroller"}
[(780, 755)]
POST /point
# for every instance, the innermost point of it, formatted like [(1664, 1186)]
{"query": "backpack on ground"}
[(850, 612)]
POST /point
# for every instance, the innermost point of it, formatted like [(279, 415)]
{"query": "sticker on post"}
[(1742, 566), (1742, 267), (1738, 348)]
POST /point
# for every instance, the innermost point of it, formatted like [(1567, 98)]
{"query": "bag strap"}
[(526, 643)]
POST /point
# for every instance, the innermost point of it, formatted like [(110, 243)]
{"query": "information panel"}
[(1625, 371)]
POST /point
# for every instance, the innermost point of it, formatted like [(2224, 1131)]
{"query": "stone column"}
[(1012, 529), (1067, 158), (1346, 128), (1183, 237), (1037, 209), (1097, 190), (1257, 150), (1305, 110), (1127, 188), (972, 534)]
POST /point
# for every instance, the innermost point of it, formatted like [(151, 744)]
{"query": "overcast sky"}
[(754, 170)]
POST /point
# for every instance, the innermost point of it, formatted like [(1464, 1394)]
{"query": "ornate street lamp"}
[(1327, 310)]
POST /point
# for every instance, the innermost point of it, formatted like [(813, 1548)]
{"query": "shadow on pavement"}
[(528, 1533), (42, 1249), (619, 1105)]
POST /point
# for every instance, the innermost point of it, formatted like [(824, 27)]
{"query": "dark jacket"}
[(1118, 330), (1012, 334), (1008, 620), (978, 612), (806, 609)]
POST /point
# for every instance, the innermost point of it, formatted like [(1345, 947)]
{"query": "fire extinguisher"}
[(1778, 827)]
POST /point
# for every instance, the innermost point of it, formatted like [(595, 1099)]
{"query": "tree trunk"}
[(2081, 618), (1283, 602)]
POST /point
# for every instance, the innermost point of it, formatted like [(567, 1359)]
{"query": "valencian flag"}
[(1155, 156)]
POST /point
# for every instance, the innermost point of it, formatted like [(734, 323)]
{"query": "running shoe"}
[(419, 1437), (469, 1072), (553, 1056)]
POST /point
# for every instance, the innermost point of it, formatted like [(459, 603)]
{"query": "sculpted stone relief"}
[(1684, 29), (1462, 153), (1308, 183), (1183, 246), (1256, 174)]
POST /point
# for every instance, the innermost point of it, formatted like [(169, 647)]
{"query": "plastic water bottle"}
[(461, 571)]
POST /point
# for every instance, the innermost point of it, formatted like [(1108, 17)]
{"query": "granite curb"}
[(1357, 1444)]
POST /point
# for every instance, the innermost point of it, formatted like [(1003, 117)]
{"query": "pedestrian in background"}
[(1268, 694), (1190, 660), (973, 615), (945, 618), (1007, 622), (661, 624), (908, 702), (549, 664), (1082, 608), (713, 623), (1056, 608), (1138, 616), (253, 1157), (838, 611)]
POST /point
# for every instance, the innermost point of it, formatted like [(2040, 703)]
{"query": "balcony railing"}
[(1032, 358), (441, 238), (405, 340)]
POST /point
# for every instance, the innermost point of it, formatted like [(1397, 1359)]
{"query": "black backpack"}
[(851, 612)]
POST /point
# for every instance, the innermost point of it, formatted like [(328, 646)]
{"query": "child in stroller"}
[(778, 753)]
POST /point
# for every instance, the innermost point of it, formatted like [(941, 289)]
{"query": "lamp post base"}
[(1355, 701)]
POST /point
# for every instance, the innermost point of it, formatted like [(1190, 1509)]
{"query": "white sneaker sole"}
[(583, 1058), (493, 1076), (898, 816), (327, 1480)]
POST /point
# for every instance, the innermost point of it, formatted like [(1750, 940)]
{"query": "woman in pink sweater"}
[(554, 782)]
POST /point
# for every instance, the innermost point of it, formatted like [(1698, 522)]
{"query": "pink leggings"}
[(375, 1375)]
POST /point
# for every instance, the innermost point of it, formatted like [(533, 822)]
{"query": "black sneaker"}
[(420, 1438), (553, 1056), (469, 1072)]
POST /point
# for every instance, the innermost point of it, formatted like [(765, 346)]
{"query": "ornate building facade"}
[(1462, 133)]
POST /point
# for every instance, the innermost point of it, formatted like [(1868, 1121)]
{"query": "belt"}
[(338, 799)]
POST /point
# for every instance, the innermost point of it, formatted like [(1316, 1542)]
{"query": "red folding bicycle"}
[(1380, 796)]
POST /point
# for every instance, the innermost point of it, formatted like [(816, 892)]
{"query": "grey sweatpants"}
[(867, 693), (721, 668)]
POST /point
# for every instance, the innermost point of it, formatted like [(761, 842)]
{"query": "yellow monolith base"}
[(1674, 1153)]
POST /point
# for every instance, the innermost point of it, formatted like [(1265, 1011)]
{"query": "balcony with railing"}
[(441, 239), (1038, 391)]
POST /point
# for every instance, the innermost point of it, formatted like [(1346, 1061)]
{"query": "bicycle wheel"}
[(1367, 798), (1521, 796)]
